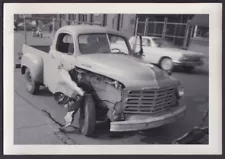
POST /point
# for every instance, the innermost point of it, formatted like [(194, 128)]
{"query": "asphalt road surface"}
[(196, 96)]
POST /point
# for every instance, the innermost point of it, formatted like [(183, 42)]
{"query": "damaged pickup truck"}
[(86, 63)]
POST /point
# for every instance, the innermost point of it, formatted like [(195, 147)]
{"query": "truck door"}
[(64, 51), (60, 60)]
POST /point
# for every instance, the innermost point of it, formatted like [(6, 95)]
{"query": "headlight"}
[(118, 85), (180, 90)]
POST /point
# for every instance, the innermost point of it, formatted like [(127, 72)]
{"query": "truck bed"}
[(38, 47)]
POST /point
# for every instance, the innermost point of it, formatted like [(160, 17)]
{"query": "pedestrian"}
[(15, 25), (50, 28)]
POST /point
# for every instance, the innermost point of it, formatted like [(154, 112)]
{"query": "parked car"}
[(84, 59), (163, 53)]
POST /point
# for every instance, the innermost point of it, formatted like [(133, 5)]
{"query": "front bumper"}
[(188, 63), (142, 122)]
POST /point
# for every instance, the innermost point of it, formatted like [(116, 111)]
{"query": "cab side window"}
[(65, 44)]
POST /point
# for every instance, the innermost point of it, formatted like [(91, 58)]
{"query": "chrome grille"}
[(150, 101)]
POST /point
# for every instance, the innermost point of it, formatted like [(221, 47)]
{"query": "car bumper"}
[(142, 122), (188, 63)]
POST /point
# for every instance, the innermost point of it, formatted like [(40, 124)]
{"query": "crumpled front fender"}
[(67, 86)]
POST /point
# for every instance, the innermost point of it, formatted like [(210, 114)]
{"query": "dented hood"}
[(129, 70)]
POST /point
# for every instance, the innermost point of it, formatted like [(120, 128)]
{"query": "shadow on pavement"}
[(197, 71), (103, 133), (156, 135)]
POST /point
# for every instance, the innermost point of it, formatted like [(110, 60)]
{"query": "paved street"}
[(196, 99)]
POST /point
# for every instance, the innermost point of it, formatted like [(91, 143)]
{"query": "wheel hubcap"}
[(167, 64)]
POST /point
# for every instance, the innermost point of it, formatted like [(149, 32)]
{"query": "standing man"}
[(50, 27), (15, 25)]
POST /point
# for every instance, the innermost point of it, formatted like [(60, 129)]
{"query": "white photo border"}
[(215, 75)]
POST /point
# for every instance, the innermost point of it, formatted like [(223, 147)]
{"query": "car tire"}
[(166, 64), (87, 119), (189, 68), (32, 86)]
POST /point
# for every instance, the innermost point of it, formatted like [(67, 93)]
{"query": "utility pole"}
[(146, 26), (118, 22), (25, 29), (164, 28)]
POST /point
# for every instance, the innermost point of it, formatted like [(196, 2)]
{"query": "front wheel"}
[(166, 64), (31, 85), (87, 118)]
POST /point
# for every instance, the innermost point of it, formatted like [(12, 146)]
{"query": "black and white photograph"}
[(118, 78)]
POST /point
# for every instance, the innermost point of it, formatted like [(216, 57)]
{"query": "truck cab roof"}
[(85, 29)]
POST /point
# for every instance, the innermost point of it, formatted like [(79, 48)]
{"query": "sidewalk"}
[(31, 126)]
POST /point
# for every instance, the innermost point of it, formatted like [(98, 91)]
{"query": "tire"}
[(166, 64), (189, 68), (32, 87), (87, 119)]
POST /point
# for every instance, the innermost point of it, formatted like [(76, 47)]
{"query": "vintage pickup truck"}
[(84, 62)]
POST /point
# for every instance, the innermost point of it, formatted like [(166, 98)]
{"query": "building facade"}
[(120, 22), (177, 27)]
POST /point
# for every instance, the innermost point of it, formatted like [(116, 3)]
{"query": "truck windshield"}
[(102, 43)]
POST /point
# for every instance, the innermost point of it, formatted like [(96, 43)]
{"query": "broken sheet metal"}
[(107, 93)]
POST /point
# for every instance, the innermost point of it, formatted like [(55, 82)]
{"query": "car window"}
[(65, 44), (145, 41), (160, 42)]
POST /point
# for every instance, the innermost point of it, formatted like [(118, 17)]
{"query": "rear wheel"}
[(87, 118), (31, 85), (166, 64)]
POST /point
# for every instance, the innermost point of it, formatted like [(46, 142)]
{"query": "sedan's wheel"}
[(32, 86), (87, 118), (166, 64)]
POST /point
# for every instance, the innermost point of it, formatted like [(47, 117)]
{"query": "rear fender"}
[(35, 64)]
